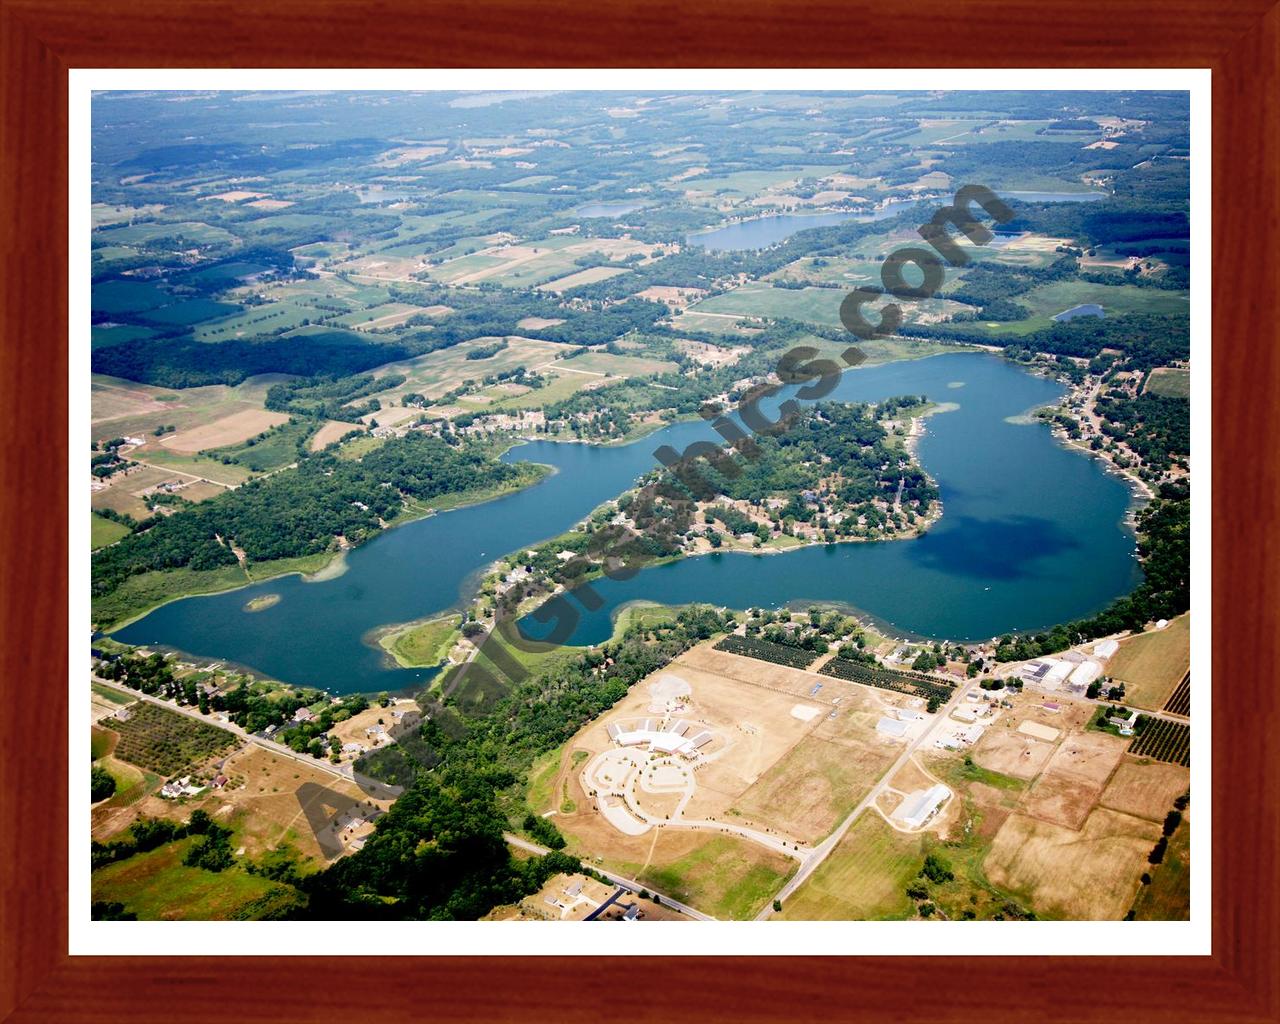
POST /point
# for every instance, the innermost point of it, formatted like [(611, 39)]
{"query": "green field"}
[(1153, 663), (423, 645), (616, 366), (559, 386), (105, 531), (127, 296), (105, 337), (267, 319), (157, 886), (730, 879), (194, 311), (275, 451), (863, 879), (185, 233), (197, 465), (751, 182), (226, 273), (1047, 300), (1168, 897), (1170, 382)]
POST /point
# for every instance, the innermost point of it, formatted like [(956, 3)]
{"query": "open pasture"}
[(608, 364), (1047, 300), (1152, 664), (1170, 382), (256, 320), (813, 305), (1090, 874), (1146, 789), (441, 371), (193, 311), (592, 275), (157, 886), (105, 531), (863, 879), (728, 878)]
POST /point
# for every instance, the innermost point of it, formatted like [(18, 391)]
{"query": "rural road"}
[(820, 852), (626, 883)]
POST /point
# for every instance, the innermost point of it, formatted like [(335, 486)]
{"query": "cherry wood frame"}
[(41, 39)]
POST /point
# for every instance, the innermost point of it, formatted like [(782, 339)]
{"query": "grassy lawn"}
[(109, 694), (105, 531), (423, 645), (1153, 663), (157, 886), (730, 879), (864, 878), (1170, 382)]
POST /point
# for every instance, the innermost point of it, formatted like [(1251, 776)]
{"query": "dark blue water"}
[(1032, 535)]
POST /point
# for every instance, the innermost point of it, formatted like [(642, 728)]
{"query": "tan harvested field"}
[(391, 417), (1073, 779), (589, 276), (124, 408), (1088, 756), (270, 204), (236, 195), (1146, 789), (711, 355), (1090, 875), (1010, 752), (814, 787), (535, 323), (1060, 798), (909, 778), (397, 318), (330, 432), (676, 298), (1152, 664), (233, 429)]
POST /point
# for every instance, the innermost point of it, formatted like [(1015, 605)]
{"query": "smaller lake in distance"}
[(762, 232), (607, 209)]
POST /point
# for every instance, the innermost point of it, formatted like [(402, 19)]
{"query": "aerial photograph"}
[(639, 506)]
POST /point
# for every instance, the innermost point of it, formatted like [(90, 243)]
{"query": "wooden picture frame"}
[(42, 39)]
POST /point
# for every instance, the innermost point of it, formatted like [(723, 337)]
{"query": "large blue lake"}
[(1032, 534)]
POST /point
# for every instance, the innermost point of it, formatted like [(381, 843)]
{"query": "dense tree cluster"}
[(301, 511)]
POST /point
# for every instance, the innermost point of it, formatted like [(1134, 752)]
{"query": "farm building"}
[(891, 727), (1105, 649), (1085, 673), (918, 807)]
